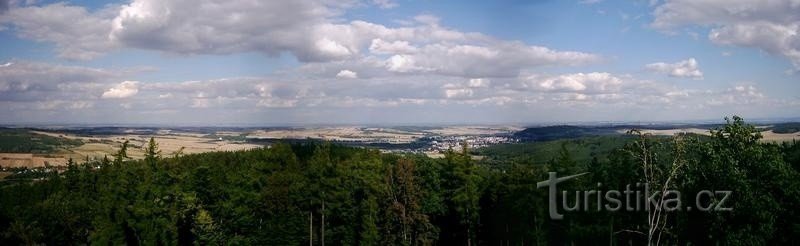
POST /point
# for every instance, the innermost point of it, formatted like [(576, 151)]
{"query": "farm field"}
[(55, 147)]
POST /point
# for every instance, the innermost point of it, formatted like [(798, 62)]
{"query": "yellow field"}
[(768, 136), (31, 160), (340, 134), (96, 147)]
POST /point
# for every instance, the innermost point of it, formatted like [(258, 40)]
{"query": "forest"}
[(317, 193), (23, 141)]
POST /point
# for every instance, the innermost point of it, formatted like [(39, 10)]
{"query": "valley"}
[(54, 146)]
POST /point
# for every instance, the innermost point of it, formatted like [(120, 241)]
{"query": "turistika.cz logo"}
[(640, 198)]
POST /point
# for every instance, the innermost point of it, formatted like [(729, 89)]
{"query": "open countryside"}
[(400, 122), (89, 144)]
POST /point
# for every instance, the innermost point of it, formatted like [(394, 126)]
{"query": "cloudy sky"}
[(395, 61)]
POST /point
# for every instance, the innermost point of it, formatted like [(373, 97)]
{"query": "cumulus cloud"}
[(122, 90), (736, 95), (311, 30), (478, 83), (501, 59), (62, 104), (685, 69), (578, 82), (458, 93), (30, 90), (32, 87), (25, 81), (77, 34), (402, 64), (347, 74), (183, 27), (771, 26), (211, 27), (379, 46)]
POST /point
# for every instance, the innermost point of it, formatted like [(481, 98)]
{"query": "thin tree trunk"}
[(611, 232), (469, 238)]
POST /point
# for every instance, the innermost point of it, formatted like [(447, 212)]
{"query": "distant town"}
[(50, 148)]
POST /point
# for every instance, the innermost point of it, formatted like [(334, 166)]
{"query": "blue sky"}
[(399, 62)]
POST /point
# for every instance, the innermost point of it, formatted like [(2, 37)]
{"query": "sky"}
[(244, 62)]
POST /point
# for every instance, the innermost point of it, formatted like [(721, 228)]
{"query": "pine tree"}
[(152, 154), (122, 154)]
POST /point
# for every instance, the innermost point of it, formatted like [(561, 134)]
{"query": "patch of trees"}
[(23, 141), (786, 127), (320, 193), (547, 133)]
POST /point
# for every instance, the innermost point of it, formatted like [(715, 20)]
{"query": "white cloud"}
[(748, 90), (578, 82), (458, 93), (771, 26), (203, 27), (685, 69), (737, 95), (63, 104), (571, 97), (332, 49), (570, 83), (401, 63), (379, 46), (122, 90), (780, 39), (478, 83), (427, 19), (77, 34), (311, 30), (433, 49), (276, 103), (32, 86), (503, 59), (44, 89), (200, 103), (28, 80), (347, 74), (679, 93)]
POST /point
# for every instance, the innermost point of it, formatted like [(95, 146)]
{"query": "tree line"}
[(322, 193)]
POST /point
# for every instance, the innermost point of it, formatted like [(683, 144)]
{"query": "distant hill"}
[(548, 133), (790, 127), (582, 149), (13, 140)]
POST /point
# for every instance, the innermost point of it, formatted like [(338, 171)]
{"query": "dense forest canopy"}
[(322, 193), (786, 127), (23, 141)]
